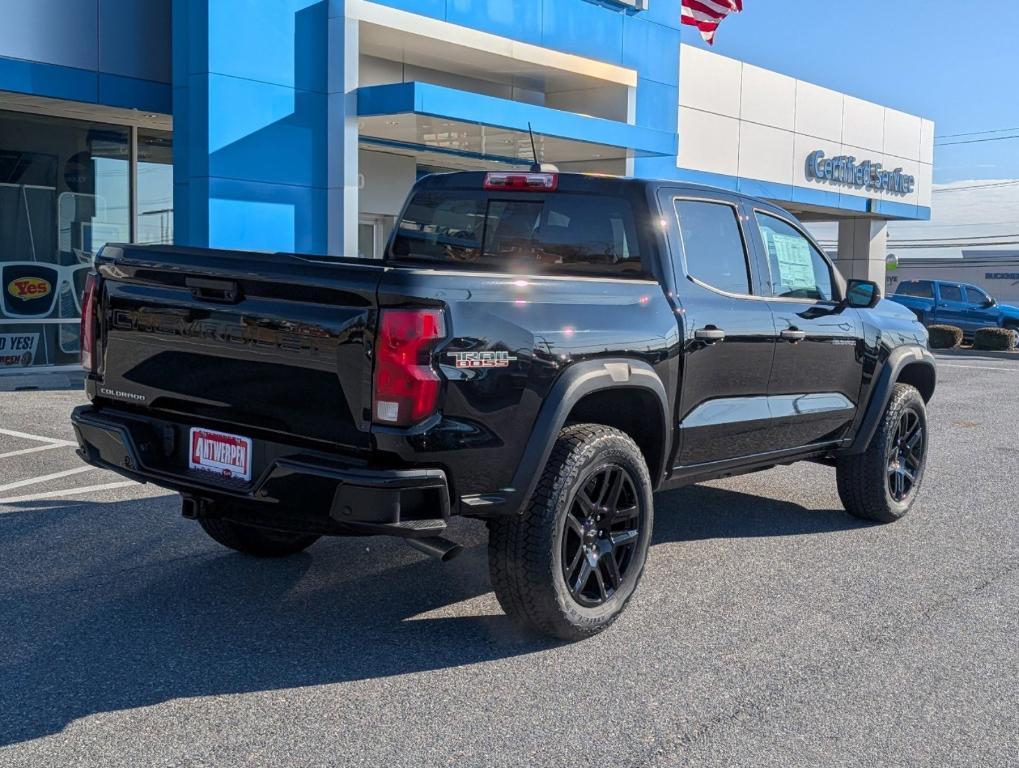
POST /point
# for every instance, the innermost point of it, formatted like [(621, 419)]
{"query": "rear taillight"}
[(406, 384), (522, 182), (88, 321)]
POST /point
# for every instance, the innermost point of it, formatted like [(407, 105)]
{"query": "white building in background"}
[(763, 133)]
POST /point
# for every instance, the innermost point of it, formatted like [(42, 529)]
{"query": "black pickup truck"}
[(542, 351)]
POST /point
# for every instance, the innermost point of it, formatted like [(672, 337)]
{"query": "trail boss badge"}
[(482, 359)]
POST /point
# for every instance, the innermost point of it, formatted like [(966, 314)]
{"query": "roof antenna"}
[(535, 166)]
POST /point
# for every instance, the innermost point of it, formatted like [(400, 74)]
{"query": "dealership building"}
[(300, 125)]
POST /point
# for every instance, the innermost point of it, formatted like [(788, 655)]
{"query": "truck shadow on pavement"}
[(107, 607)]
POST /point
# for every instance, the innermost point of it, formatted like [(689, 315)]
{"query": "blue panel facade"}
[(248, 84), (114, 52), (250, 95), (251, 124)]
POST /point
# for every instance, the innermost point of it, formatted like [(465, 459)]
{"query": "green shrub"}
[(944, 336), (994, 338)]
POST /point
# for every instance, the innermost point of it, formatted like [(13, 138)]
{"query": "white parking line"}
[(38, 438), (44, 478), (69, 492), (980, 367), (34, 449)]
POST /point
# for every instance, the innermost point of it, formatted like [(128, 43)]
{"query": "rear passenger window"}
[(713, 246), (951, 292), (919, 288)]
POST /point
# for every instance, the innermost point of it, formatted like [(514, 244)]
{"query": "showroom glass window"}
[(65, 192), (154, 219)]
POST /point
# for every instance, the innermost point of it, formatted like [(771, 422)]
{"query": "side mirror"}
[(990, 303), (862, 294)]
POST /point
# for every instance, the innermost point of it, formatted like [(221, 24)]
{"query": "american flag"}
[(706, 15)]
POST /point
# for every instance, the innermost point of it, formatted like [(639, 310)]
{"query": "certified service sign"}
[(847, 170)]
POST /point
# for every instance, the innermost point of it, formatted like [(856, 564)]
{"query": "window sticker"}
[(795, 264)]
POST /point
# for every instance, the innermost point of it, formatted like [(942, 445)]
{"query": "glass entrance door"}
[(369, 237)]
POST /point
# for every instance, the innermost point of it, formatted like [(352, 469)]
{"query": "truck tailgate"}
[(246, 342)]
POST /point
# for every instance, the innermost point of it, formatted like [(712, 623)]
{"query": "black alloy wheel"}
[(568, 564), (600, 535), (906, 455), (882, 482)]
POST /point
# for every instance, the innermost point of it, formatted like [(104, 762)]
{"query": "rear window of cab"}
[(923, 289), (528, 233)]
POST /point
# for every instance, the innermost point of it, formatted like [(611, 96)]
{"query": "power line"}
[(976, 141), (992, 185), (927, 225), (949, 239), (953, 245), (946, 240), (975, 133), (932, 246)]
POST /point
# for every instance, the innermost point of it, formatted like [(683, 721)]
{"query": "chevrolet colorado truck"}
[(541, 351), (960, 304)]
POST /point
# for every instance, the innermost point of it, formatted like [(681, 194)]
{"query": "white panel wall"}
[(708, 142), (767, 98), (776, 121), (765, 152), (716, 88), (863, 123), (819, 111), (902, 135), (385, 180), (926, 140)]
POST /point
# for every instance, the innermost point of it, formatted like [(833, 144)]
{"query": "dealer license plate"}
[(226, 455)]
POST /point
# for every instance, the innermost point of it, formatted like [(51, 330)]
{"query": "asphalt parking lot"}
[(770, 628)]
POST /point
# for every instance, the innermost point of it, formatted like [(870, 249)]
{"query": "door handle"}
[(793, 334), (710, 334), (219, 291)]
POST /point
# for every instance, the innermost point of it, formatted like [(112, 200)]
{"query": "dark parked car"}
[(541, 351), (941, 302)]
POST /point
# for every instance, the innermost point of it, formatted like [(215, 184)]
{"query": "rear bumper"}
[(290, 488)]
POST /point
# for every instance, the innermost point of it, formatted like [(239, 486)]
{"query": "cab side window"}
[(798, 270), (950, 292), (976, 296), (713, 245)]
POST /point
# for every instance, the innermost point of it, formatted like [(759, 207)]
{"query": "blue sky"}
[(952, 63)]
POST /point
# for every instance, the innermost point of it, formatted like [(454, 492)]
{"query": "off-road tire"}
[(525, 552), (1014, 327), (258, 542), (862, 479)]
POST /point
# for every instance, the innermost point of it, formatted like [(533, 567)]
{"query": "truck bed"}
[(271, 342)]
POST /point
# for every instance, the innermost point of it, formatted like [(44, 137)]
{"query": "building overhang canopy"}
[(414, 39), (448, 121)]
